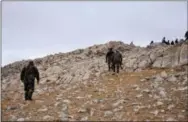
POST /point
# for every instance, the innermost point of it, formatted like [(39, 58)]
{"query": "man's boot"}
[(26, 95), (30, 95)]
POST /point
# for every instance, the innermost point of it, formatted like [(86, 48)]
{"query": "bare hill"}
[(77, 85)]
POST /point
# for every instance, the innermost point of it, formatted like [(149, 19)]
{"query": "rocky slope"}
[(77, 85)]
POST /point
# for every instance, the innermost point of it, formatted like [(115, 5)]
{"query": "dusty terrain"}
[(77, 86)]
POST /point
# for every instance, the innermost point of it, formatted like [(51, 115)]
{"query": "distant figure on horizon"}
[(176, 41), (164, 40), (168, 42), (151, 42), (131, 44), (172, 43)]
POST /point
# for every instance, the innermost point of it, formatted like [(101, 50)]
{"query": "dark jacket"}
[(109, 55), (29, 72)]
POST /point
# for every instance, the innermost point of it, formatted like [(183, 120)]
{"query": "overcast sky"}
[(35, 29)]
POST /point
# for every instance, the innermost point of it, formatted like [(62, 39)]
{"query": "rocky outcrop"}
[(133, 57), (81, 64)]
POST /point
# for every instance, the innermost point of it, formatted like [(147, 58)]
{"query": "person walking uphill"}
[(109, 58), (28, 75)]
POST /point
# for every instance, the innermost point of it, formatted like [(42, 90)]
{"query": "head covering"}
[(31, 63)]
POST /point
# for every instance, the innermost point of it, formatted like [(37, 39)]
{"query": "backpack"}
[(30, 73)]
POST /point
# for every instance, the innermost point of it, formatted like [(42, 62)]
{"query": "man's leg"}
[(121, 65), (117, 68), (26, 95), (113, 67), (31, 90), (109, 65), (30, 93), (26, 90)]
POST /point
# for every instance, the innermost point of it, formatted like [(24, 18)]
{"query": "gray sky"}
[(35, 29)]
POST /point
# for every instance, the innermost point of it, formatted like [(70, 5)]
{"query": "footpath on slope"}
[(152, 94)]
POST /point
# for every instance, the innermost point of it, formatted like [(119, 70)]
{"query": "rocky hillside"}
[(77, 85)]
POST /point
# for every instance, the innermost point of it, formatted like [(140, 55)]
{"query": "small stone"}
[(108, 113), (142, 80), (20, 119), (139, 95), (149, 106), (147, 78), (155, 85), (137, 89), (58, 99), (117, 116), (64, 114), (162, 93), (164, 74), (182, 88), (158, 79), (66, 101), (111, 79), (134, 86), (172, 79), (170, 107), (156, 97), (71, 117), (47, 117), (121, 79), (155, 112), (181, 116), (91, 112), (146, 90), (57, 104), (27, 119), (162, 111), (89, 96), (117, 103), (136, 110), (79, 97), (13, 117), (118, 109), (84, 118), (58, 82), (96, 101), (159, 103), (183, 111), (12, 107), (64, 117), (39, 101), (82, 110), (150, 95), (42, 110), (170, 119), (135, 103)]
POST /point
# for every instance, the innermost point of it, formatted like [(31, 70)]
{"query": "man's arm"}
[(37, 75), (22, 74), (121, 59), (186, 34), (107, 56)]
